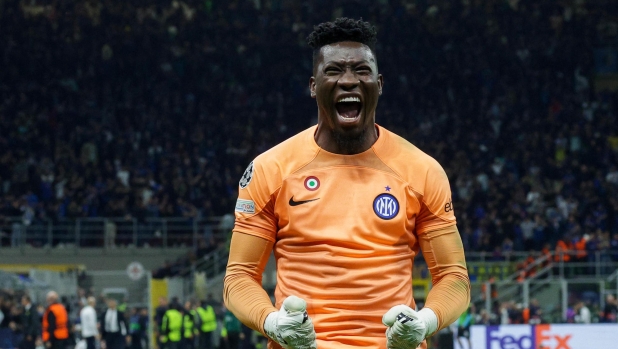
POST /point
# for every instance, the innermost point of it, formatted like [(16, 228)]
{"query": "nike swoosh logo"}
[(296, 203)]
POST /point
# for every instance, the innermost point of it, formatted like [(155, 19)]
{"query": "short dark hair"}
[(341, 29)]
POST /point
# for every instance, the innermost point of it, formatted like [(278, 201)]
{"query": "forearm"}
[(247, 300), (450, 294), (449, 299), (242, 288)]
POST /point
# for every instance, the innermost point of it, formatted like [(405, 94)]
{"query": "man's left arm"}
[(442, 248), (436, 232), (449, 296)]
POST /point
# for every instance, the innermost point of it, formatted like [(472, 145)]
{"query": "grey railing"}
[(601, 266), (112, 232)]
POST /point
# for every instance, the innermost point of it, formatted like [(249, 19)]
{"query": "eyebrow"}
[(354, 63)]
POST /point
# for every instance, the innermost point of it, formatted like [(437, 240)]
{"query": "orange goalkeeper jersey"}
[(345, 228)]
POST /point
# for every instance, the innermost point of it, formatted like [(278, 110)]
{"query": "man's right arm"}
[(242, 289)]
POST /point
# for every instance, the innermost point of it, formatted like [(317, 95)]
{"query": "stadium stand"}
[(145, 110), (153, 110)]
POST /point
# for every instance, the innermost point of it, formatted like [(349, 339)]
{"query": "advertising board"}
[(547, 336)]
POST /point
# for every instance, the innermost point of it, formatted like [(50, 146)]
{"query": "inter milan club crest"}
[(312, 183), (246, 177), (386, 206)]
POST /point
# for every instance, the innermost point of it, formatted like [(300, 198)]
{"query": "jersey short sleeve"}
[(436, 210), (254, 209)]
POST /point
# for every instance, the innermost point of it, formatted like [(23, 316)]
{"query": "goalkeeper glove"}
[(407, 328), (291, 327)]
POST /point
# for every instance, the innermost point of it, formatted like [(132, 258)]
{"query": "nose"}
[(348, 80)]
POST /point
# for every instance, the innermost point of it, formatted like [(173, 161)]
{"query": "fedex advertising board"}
[(560, 336)]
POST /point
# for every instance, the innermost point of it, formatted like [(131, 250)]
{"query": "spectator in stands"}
[(15, 322), (484, 318), (55, 323), (138, 325), (170, 332), (88, 320), (5, 311), (570, 315), (114, 329), (208, 323), (233, 330), (614, 248), (122, 134), (563, 251), (158, 318), (464, 323), (31, 324), (535, 312), (190, 325), (583, 314), (610, 311)]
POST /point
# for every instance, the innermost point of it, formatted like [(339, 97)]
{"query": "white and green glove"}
[(406, 328), (291, 327)]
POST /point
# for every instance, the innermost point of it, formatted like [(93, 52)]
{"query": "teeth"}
[(349, 99)]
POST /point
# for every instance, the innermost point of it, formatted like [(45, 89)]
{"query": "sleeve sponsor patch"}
[(245, 206), (246, 177)]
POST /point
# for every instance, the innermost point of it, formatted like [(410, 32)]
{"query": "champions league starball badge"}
[(246, 177)]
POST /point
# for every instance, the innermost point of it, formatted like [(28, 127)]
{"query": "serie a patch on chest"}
[(386, 206)]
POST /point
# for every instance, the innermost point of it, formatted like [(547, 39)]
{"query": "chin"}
[(348, 134)]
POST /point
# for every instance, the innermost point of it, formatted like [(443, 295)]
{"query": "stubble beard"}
[(351, 143)]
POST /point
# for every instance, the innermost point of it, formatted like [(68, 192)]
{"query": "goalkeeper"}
[(345, 206)]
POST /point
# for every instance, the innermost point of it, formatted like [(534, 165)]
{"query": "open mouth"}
[(349, 108)]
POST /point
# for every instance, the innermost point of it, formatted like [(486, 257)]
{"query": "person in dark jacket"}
[(143, 321), (31, 323), (138, 324), (114, 329)]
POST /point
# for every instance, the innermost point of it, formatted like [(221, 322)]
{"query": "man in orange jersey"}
[(55, 323), (346, 206)]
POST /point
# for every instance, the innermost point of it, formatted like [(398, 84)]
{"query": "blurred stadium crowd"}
[(154, 109), (205, 324)]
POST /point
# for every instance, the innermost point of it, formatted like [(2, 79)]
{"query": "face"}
[(346, 86)]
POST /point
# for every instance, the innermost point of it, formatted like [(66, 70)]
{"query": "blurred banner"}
[(483, 271), (554, 336)]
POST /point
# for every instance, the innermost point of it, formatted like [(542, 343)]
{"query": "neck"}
[(338, 143)]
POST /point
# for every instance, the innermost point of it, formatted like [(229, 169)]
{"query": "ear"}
[(312, 86), (380, 83)]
